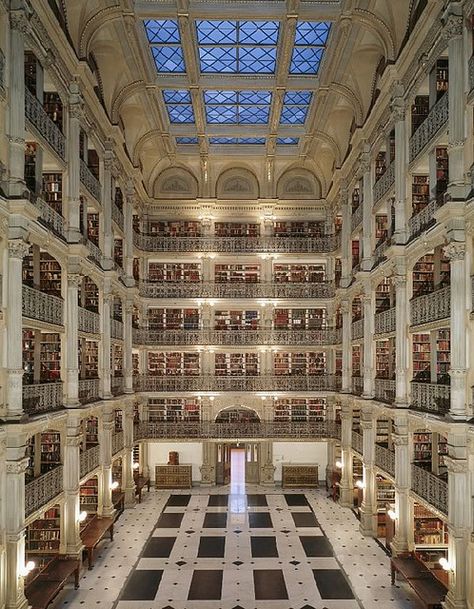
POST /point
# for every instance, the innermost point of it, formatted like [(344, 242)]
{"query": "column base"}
[(73, 403), (20, 603), (208, 475), (346, 497), (74, 550), (451, 603), (368, 396), (368, 523), (267, 475), (399, 546), (130, 499), (107, 512)]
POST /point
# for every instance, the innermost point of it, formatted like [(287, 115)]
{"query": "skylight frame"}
[(164, 40), (178, 104), (309, 47), (295, 109), (237, 107)]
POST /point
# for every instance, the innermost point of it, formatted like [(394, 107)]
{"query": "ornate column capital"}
[(453, 26), (456, 466), (399, 281), (76, 102), (365, 162), (455, 250), (20, 18), (74, 279), (17, 467), (400, 440), (18, 248)]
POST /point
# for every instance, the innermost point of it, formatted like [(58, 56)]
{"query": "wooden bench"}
[(429, 590), (140, 483), (51, 580), (93, 533), (118, 501)]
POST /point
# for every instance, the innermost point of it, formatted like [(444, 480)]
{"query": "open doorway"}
[(237, 471), (237, 463)]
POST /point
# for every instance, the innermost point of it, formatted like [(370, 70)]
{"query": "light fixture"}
[(391, 514), (360, 484), (82, 516), (444, 564), (114, 485), (136, 466), (27, 568), (339, 464)]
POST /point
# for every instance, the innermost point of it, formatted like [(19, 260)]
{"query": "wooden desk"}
[(94, 533), (427, 587), (140, 483), (49, 582)]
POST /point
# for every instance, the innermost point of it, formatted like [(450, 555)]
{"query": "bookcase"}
[(117, 360), (383, 434), (89, 495), (429, 530), (298, 273), (298, 229), (91, 431), (93, 162), (90, 361), (236, 364), (299, 475), (118, 251), (356, 360), (442, 171), (50, 452), (423, 275), (118, 198), (355, 249), (174, 271), (172, 410), (136, 223), (237, 273), (53, 107), (136, 269), (53, 190), (32, 469), (355, 199), (299, 364), (236, 229), (93, 228), (118, 420), (173, 476), (338, 272), (381, 229), (299, 410), (423, 449), (90, 295), (380, 164), (385, 493), (31, 66), (442, 77), (43, 536), (236, 320), (337, 224), (135, 363), (338, 362), (383, 295), (385, 358), (173, 363), (419, 111), (30, 166), (173, 319), (50, 357), (117, 309), (28, 356), (299, 319), (171, 228), (421, 357), (443, 356), (420, 193)]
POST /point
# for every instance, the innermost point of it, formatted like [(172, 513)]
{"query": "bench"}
[(429, 590), (51, 580), (140, 483), (93, 533), (118, 501)]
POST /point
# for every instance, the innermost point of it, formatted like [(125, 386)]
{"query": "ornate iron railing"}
[(116, 385), (89, 460), (237, 431), (471, 73), (429, 487), (230, 245), (431, 307), (43, 489), (357, 442), (379, 252), (430, 127), (116, 329), (117, 442), (357, 385), (423, 219), (385, 321), (117, 216), (356, 218), (88, 390), (357, 329), (41, 306), (430, 397), (94, 252), (47, 128), (2, 70), (50, 217), (385, 390), (89, 321), (89, 180), (42, 397), (385, 459), (209, 289), (384, 183)]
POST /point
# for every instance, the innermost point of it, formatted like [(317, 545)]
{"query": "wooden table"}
[(140, 483), (427, 587), (94, 533), (118, 501), (49, 582)]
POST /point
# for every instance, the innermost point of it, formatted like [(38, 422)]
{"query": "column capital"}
[(400, 440), (456, 250), (74, 279), (20, 18), (453, 25), (399, 281), (76, 101), (365, 162), (456, 466), (17, 467), (18, 248)]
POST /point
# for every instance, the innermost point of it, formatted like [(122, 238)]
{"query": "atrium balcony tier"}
[(356, 219), (429, 487), (49, 217), (431, 307), (357, 442), (43, 489), (89, 460), (430, 397), (385, 321), (384, 183), (90, 182), (357, 385), (42, 307), (357, 329), (39, 398), (385, 459), (434, 123), (385, 390), (210, 289), (239, 245), (45, 127), (424, 219), (471, 74), (89, 390), (117, 216), (89, 321), (117, 385)]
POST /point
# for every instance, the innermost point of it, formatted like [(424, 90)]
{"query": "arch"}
[(348, 94), (128, 91), (333, 145), (137, 149), (237, 183), (237, 413), (299, 183), (379, 28), (175, 183), (93, 25)]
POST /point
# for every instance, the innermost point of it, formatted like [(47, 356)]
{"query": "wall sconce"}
[(27, 568), (339, 464), (360, 484), (446, 566), (136, 466), (392, 515), (82, 516), (114, 485)]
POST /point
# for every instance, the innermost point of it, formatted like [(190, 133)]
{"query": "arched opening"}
[(237, 414)]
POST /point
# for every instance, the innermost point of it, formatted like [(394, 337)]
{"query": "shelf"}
[(173, 476), (299, 476), (173, 272), (173, 410), (236, 320), (236, 364), (236, 229), (299, 273)]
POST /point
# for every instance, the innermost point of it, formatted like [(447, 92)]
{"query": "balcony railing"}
[(42, 397), (356, 218), (385, 390), (209, 289), (430, 488), (89, 180), (234, 383), (88, 390), (117, 216), (385, 459), (357, 329), (117, 442), (357, 385), (431, 307), (50, 217), (41, 306), (238, 245), (116, 385), (237, 337), (47, 128), (357, 442), (89, 321), (423, 219), (89, 460), (211, 430), (430, 397), (379, 252), (43, 489), (430, 127), (385, 321), (384, 183), (471, 73), (94, 251), (2, 70), (116, 329)]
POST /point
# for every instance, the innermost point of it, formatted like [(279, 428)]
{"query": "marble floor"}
[(240, 546)]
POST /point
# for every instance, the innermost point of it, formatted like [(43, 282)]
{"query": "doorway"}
[(237, 463), (237, 471)]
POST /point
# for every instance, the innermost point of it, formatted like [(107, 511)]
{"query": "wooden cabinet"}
[(299, 475), (173, 476)]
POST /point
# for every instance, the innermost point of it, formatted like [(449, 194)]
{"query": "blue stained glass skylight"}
[(186, 140), (237, 107), (295, 107), (237, 140), (165, 41), (310, 42), (288, 141), (178, 104), (237, 47)]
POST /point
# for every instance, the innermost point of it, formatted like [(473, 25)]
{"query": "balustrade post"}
[(105, 365), (401, 338), (127, 347), (17, 250), (107, 198), (399, 118), (404, 517), (346, 347), (106, 426), (128, 483), (72, 179), (267, 469), (74, 280), (368, 509), (369, 351), (368, 228), (71, 478), (347, 481), (208, 467), (346, 230)]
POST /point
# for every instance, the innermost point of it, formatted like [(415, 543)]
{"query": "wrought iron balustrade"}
[(429, 487), (385, 321), (357, 385), (471, 73), (117, 216), (89, 321), (42, 397), (2, 70), (357, 442), (47, 128), (385, 390), (49, 217), (385, 459), (379, 252), (430, 397), (116, 329), (41, 306), (424, 219), (435, 121), (117, 385), (89, 180), (88, 390), (94, 251), (431, 307), (117, 442), (43, 489), (89, 460), (356, 218), (384, 183), (357, 329)]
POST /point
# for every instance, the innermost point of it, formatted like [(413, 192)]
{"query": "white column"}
[(402, 340), (346, 243), (267, 469), (74, 280), (368, 228), (128, 234), (107, 194), (105, 365), (17, 250), (208, 467), (369, 352), (71, 477), (347, 481), (128, 484), (398, 113), (72, 175), (127, 347), (106, 426), (346, 347), (404, 517), (368, 509), (206, 268)]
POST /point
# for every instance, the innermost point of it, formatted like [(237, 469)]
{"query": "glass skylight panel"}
[(237, 107), (165, 41), (178, 105), (237, 140), (310, 43), (186, 140), (237, 47), (288, 141), (295, 107)]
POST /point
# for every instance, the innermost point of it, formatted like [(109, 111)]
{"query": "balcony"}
[(42, 307), (385, 459), (471, 73), (431, 307), (117, 442), (50, 217), (89, 390), (237, 431), (209, 289), (385, 321), (357, 329), (430, 488), (234, 383), (357, 385), (357, 442), (238, 245), (94, 252), (379, 252), (237, 337), (89, 322), (89, 181), (46, 128), (116, 385), (42, 397), (356, 219), (385, 390), (2, 70), (89, 460), (116, 329), (436, 120), (384, 183), (430, 397), (43, 489), (423, 219), (117, 216)]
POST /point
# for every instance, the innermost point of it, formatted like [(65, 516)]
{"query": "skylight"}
[(295, 107), (288, 141), (237, 140), (165, 42), (237, 47), (237, 107), (186, 140), (310, 43), (178, 105)]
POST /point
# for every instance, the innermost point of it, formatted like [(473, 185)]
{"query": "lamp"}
[(136, 466), (360, 484), (339, 464), (391, 514), (444, 564), (82, 516), (27, 568), (114, 485)]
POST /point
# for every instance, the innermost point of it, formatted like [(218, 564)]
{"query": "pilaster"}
[(107, 194), (105, 364), (346, 347), (368, 228), (74, 280), (347, 479), (404, 517), (128, 483), (208, 467), (127, 347), (368, 301), (106, 426), (400, 235), (401, 336), (71, 478), (72, 179), (346, 258), (368, 509), (267, 469)]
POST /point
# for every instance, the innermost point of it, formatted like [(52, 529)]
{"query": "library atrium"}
[(236, 298)]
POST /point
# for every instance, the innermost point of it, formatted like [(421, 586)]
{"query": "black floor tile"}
[(269, 585), (257, 501), (260, 520), (178, 500), (296, 500), (316, 547), (142, 585), (215, 521), (218, 501), (158, 547), (211, 547), (206, 585), (332, 584), (264, 547), (170, 520), (304, 519)]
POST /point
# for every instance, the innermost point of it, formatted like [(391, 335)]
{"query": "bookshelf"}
[(91, 431), (299, 364), (299, 273), (385, 493), (89, 495), (443, 356), (50, 275), (357, 310), (236, 320), (90, 361), (171, 228), (442, 171), (423, 275), (338, 272), (173, 319), (118, 251), (421, 357), (442, 77), (383, 435), (43, 536), (118, 198), (117, 309), (93, 162), (173, 476), (419, 111), (299, 410), (355, 200), (28, 356), (30, 166), (53, 190), (31, 66), (338, 362), (93, 228), (356, 360), (385, 358), (172, 410), (50, 451), (172, 272), (337, 224), (420, 193), (136, 269), (236, 229), (50, 357), (299, 475), (299, 319), (173, 363), (90, 295), (118, 420), (380, 164), (237, 273), (135, 363), (32, 469), (117, 360), (298, 229), (429, 530), (355, 252), (236, 364), (383, 295), (381, 229), (53, 107), (136, 223), (423, 449)]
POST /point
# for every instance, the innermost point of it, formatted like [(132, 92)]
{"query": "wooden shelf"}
[(173, 476), (299, 476)]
